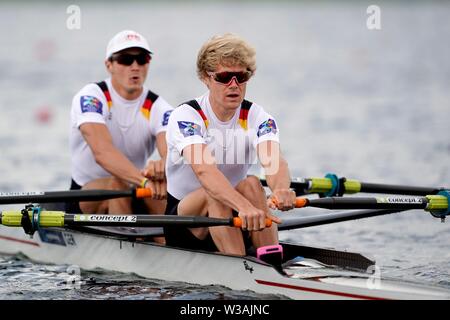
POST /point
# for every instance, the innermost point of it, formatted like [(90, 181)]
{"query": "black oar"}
[(328, 218), (437, 205), (38, 218), (333, 186), (433, 202), (70, 195)]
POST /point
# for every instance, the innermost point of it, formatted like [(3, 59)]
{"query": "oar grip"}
[(237, 222), (143, 193), (301, 202)]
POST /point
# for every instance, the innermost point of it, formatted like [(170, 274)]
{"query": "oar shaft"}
[(368, 203), (349, 186), (397, 189), (328, 218), (430, 203), (301, 186), (71, 195), (143, 221), (62, 219)]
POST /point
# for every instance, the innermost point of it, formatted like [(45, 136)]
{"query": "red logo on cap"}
[(133, 37)]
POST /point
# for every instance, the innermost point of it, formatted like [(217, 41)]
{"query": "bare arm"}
[(277, 173), (218, 187), (155, 169), (215, 183), (107, 155), (161, 144)]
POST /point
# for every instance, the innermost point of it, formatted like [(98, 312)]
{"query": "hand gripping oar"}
[(438, 205), (331, 185), (32, 218), (71, 195)]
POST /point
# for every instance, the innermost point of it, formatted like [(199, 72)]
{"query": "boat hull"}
[(90, 251)]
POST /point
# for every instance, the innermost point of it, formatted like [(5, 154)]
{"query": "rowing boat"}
[(306, 273), (125, 244)]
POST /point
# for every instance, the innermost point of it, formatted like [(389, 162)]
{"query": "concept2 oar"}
[(297, 222), (437, 205), (331, 186), (70, 195), (32, 218)]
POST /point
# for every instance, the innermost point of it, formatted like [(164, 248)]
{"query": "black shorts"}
[(137, 205), (183, 237), (73, 206)]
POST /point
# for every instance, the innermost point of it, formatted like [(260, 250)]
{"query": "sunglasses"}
[(127, 59), (226, 77)]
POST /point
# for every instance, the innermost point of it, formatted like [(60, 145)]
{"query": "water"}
[(369, 105), (22, 279)]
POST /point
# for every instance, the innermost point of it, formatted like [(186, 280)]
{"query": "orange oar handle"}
[(143, 193), (299, 202), (237, 222)]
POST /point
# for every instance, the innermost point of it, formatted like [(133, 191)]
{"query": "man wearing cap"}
[(115, 126)]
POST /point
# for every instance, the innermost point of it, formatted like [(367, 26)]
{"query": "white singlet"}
[(233, 147), (132, 133)]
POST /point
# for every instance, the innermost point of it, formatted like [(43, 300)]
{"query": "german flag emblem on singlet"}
[(146, 107), (243, 114)]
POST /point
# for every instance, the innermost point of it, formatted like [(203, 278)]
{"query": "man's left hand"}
[(282, 199), (155, 170)]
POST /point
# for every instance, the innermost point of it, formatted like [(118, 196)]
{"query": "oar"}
[(331, 185), (328, 218), (437, 205), (70, 195), (432, 202), (43, 219)]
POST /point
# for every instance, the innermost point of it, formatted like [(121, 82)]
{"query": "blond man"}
[(212, 142)]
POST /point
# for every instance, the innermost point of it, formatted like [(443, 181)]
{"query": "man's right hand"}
[(159, 189), (254, 219)]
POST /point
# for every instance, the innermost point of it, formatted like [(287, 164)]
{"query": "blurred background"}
[(368, 104)]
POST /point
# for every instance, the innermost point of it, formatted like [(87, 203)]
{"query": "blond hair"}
[(227, 50)]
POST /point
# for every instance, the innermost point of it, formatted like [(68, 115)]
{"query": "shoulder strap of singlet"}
[(146, 107), (194, 104), (243, 115), (104, 87), (148, 103)]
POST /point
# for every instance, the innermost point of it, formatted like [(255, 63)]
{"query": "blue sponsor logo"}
[(268, 126), (189, 129), (90, 104), (166, 117), (52, 237)]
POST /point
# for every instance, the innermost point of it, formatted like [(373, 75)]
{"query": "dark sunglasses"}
[(226, 77), (127, 59)]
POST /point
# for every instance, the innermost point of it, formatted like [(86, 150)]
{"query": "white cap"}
[(124, 40)]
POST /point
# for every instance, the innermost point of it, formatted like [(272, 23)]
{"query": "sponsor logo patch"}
[(166, 117), (268, 126), (90, 104), (52, 237), (189, 129)]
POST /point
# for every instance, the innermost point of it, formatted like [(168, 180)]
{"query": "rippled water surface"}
[(369, 105), (22, 279)]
